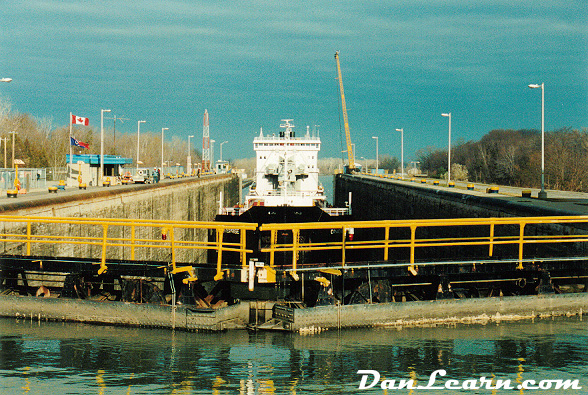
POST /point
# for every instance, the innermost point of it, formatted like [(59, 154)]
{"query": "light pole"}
[(138, 134), (212, 154), (542, 193), (448, 115), (401, 130), (377, 155), (102, 144), (189, 158), (221, 149), (13, 133), (162, 129)]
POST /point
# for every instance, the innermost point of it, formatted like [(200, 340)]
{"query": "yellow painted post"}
[(343, 243), (521, 244), (491, 247), (386, 242), (411, 268), (273, 242), (219, 248), (29, 237), (295, 235), (103, 267), (172, 246), (243, 247), (133, 242)]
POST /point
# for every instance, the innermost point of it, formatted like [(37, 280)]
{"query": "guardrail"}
[(515, 236), (128, 234)]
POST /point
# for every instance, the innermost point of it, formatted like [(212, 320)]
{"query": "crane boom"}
[(345, 121)]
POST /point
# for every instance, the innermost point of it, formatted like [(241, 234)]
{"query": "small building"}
[(88, 167)]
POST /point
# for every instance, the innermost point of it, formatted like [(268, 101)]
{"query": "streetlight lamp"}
[(189, 158), (5, 79), (401, 130), (102, 144), (162, 129), (221, 149), (448, 115), (138, 133), (377, 155), (542, 193)]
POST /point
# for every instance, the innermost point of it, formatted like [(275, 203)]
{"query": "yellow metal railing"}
[(130, 235), (512, 232)]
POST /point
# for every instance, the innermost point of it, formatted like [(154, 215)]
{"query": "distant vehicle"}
[(142, 176)]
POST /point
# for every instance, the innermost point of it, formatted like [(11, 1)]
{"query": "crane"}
[(351, 163)]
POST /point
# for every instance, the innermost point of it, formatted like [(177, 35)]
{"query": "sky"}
[(251, 64)]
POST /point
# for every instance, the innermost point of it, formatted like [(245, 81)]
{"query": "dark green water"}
[(59, 358)]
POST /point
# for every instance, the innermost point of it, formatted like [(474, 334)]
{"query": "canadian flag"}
[(79, 120)]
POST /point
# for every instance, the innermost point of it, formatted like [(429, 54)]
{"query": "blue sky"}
[(253, 63)]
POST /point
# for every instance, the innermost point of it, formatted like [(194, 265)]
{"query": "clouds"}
[(403, 62)]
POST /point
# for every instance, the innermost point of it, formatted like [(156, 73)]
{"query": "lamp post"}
[(212, 154), (221, 149), (401, 130), (138, 134), (377, 155), (102, 144), (189, 158), (542, 193), (162, 129), (13, 133), (448, 115)]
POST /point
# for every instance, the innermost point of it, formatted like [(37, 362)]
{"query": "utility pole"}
[(114, 128), (5, 140), (14, 133)]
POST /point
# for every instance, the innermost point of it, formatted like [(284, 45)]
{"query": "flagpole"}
[(70, 146)]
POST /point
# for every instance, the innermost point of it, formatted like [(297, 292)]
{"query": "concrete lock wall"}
[(377, 199), (182, 200)]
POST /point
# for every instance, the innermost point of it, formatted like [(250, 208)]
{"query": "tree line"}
[(513, 157), (40, 145)]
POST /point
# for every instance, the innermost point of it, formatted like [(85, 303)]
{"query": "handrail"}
[(515, 237), (131, 234)]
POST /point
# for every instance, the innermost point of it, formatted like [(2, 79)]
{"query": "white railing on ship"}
[(333, 211)]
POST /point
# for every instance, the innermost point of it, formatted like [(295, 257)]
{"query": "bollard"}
[(52, 189), (82, 185), (470, 187), (12, 193), (436, 182), (423, 181), (451, 184)]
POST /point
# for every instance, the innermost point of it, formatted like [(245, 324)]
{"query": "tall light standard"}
[(448, 115), (221, 149), (377, 155), (213, 167), (162, 129), (189, 158), (401, 130), (542, 193), (102, 144), (13, 133), (138, 133)]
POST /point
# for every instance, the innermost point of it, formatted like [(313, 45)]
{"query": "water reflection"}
[(96, 359)]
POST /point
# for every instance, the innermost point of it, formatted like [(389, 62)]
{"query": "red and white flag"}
[(79, 120)]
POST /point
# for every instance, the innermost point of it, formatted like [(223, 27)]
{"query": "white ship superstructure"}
[(287, 171)]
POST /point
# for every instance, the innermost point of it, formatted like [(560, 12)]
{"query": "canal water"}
[(66, 358)]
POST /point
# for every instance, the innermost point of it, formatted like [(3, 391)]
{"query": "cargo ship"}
[(286, 189)]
